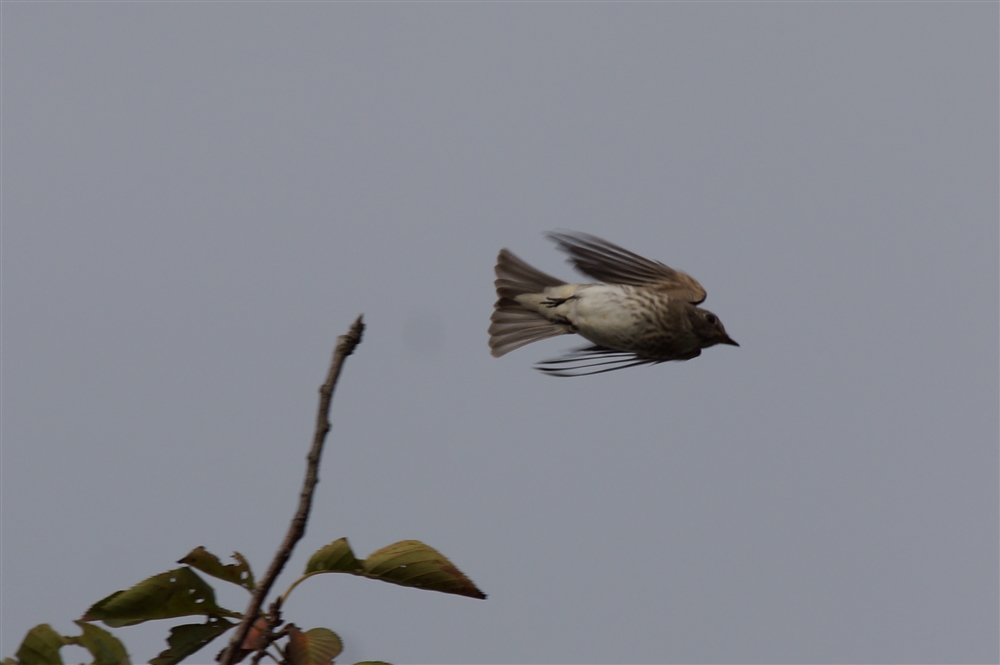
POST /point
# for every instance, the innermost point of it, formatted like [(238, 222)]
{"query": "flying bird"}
[(642, 312)]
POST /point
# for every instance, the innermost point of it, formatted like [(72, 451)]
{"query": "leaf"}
[(372, 662), (336, 557), (176, 593), (256, 638), (411, 563), (237, 573), (186, 639), (41, 646), (102, 645), (317, 646)]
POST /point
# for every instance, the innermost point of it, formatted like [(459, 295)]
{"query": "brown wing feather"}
[(612, 264)]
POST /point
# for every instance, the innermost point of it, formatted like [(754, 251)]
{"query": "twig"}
[(297, 528)]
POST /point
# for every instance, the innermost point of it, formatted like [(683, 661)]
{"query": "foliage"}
[(182, 592)]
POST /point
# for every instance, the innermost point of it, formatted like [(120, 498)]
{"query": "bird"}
[(641, 312)]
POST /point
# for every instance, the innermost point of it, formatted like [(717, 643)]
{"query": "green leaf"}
[(411, 563), (41, 646), (237, 573), (317, 646), (176, 593), (189, 638), (102, 645), (336, 557)]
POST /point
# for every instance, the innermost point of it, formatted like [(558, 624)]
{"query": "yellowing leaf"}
[(317, 646), (411, 563), (336, 557), (176, 593), (256, 637), (408, 562), (237, 573)]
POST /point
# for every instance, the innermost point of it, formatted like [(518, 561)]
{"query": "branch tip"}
[(348, 341), (345, 347)]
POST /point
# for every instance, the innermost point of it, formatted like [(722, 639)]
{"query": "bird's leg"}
[(551, 303)]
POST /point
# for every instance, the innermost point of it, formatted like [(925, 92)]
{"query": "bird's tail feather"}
[(515, 277), (512, 325)]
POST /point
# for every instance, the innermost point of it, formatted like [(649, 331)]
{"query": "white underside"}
[(595, 310)]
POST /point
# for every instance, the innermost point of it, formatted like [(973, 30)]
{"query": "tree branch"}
[(345, 347)]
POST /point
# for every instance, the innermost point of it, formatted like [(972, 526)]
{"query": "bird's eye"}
[(711, 318)]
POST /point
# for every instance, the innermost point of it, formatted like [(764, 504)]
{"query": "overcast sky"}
[(199, 197)]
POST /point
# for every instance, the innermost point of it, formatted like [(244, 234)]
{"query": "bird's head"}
[(709, 329)]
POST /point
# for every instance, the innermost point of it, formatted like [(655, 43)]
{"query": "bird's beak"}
[(729, 340)]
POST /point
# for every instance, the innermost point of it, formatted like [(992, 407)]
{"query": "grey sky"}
[(198, 197)]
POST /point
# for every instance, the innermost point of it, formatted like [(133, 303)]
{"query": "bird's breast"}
[(610, 315), (630, 318)]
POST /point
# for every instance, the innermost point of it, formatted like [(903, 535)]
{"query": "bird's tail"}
[(512, 326)]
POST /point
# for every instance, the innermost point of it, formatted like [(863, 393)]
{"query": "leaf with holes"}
[(237, 573), (317, 646), (102, 645), (411, 563), (41, 646), (186, 639), (176, 593), (337, 557)]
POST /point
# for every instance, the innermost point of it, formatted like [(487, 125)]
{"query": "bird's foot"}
[(553, 302)]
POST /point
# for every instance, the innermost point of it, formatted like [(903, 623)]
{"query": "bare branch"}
[(345, 347)]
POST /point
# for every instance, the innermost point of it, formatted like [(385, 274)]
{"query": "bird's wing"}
[(611, 264), (592, 360)]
